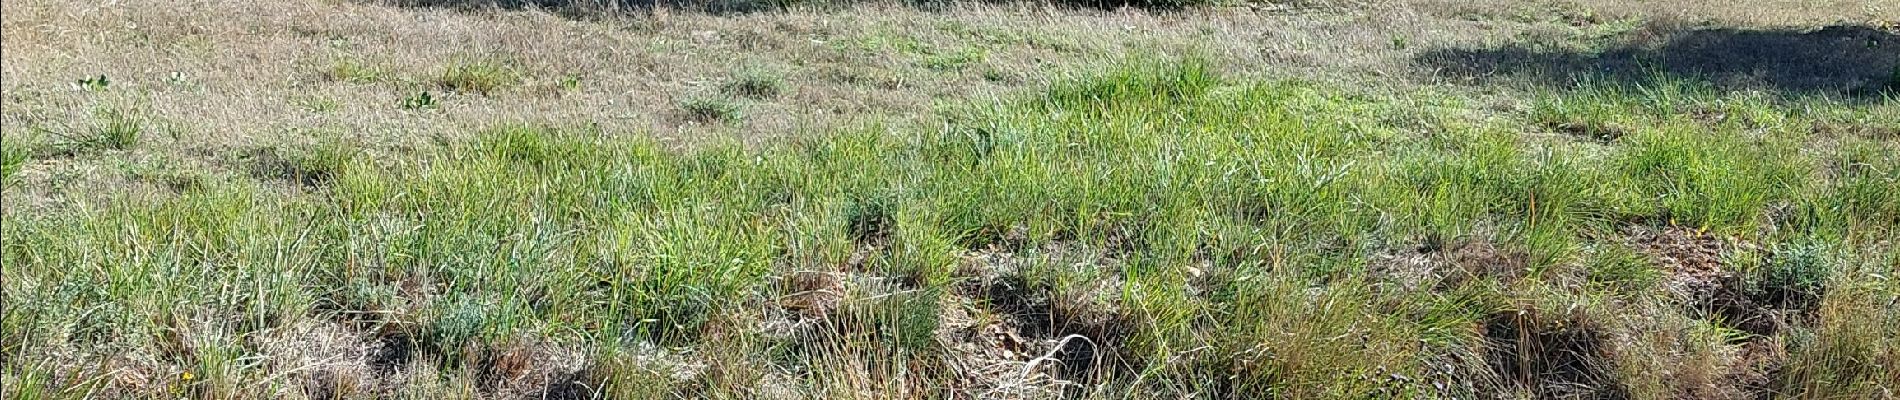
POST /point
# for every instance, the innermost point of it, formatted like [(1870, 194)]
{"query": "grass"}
[(755, 83), (712, 109), (1155, 229), (944, 201), (352, 71), (478, 77), (12, 156), (110, 129)]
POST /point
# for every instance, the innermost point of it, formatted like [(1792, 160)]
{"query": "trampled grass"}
[(1152, 230)]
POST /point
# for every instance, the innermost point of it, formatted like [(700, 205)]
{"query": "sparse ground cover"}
[(1516, 200)]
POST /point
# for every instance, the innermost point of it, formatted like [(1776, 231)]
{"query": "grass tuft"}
[(478, 77), (352, 71), (712, 109), (755, 83)]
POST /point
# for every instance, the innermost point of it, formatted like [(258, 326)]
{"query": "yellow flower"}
[(186, 376)]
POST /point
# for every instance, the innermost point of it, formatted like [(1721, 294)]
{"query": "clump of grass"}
[(312, 165), (112, 129), (478, 77), (347, 70), (319, 104), (755, 83), (14, 153), (1139, 85), (711, 109), (118, 130)]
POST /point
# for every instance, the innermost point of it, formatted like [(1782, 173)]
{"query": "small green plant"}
[(755, 84), (419, 100), (711, 109), (177, 78), (95, 83), (319, 104), (1796, 274), (571, 82), (481, 78)]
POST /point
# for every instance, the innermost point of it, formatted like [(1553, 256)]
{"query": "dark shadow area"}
[(1844, 60)]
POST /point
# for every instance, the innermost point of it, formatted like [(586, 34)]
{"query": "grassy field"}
[(1409, 199)]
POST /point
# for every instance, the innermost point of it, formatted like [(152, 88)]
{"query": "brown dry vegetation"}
[(342, 199)]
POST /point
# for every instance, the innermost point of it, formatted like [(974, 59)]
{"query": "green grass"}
[(478, 77), (110, 129), (352, 71), (14, 154), (1208, 237)]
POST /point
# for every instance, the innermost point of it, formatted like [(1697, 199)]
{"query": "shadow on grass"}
[(1852, 61)]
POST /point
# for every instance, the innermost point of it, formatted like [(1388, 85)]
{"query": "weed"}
[(1795, 276), (96, 83), (419, 100)]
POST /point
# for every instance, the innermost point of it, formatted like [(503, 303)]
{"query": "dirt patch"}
[(1436, 266), (1014, 336), (1754, 370), (329, 360), (1552, 356), (532, 368), (1693, 260), (1700, 274), (814, 294), (393, 351)]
